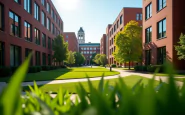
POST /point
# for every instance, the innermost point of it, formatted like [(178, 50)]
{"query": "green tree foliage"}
[(71, 58), (129, 43), (181, 48), (103, 59), (60, 49), (92, 58), (97, 59), (79, 58)]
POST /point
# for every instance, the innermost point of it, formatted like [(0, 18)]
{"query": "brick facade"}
[(16, 42), (103, 44)]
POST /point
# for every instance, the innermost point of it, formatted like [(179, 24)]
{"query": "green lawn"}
[(166, 75), (180, 79), (71, 87), (66, 74)]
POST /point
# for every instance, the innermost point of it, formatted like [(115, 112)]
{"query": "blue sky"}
[(92, 15)]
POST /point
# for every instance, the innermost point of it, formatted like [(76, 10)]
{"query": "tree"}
[(128, 43), (79, 58), (103, 59), (92, 58), (181, 48), (97, 59), (60, 48), (71, 58)]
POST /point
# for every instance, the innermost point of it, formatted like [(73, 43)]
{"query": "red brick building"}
[(125, 16), (71, 39), (87, 49), (103, 44), (28, 26), (162, 25)]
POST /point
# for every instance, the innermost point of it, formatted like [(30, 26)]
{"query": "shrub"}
[(153, 68), (13, 69), (63, 66), (46, 68), (113, 65), (33, 69), (140, 68), (39, 68), (5, 71), (101, 65)]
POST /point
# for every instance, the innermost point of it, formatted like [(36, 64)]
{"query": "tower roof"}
[(81, 30)]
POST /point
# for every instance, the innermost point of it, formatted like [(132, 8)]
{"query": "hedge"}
[(113, 65), (5, 71)]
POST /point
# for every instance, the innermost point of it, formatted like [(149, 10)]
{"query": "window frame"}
[(19, 58), (28, 6), (43, 18), (2, 17), (36, 11), (163, 5), (2, 53), (44, 40), (26, 28), (150, 34), (148, 57), (37, 38), (148, 11), (161, 55), (17, 1), (162, 29), (19, 24)]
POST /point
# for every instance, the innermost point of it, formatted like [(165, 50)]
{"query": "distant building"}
[(71, 39), (126, 15), (81, 36), (87, 49), (103, 44)]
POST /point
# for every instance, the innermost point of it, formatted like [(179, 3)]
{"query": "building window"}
[(2, 54), (37, 36), (36, 11), (37, 58), (27, 5), (43, 58), (15, 55), (43, 2), (43, 19), (52, 13), (52, 44), (49, 59), (161, 29), (114, 27), (161, 4), (14, 24), (27, 31), (87, 48), (66, 36), (139, 16), (1, 17), (18, 1), (49, 43), (53, 28), (55, 18), (161, 55), (121, 19), (147, 57), (148, 35), (48, 8), (148, 11), (27, 52), (43, 40), (48, 24)]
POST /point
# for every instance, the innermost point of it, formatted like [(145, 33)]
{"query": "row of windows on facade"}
[(148, 9), (16, 57), (161, 56), (161, 31), (88, 52), (119, 22), (112, 50), (112, 41), (88, 57), (88, 48), (15, 30), (28, 5)]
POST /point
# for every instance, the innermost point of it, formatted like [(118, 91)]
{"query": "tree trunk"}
[(129, 65)]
